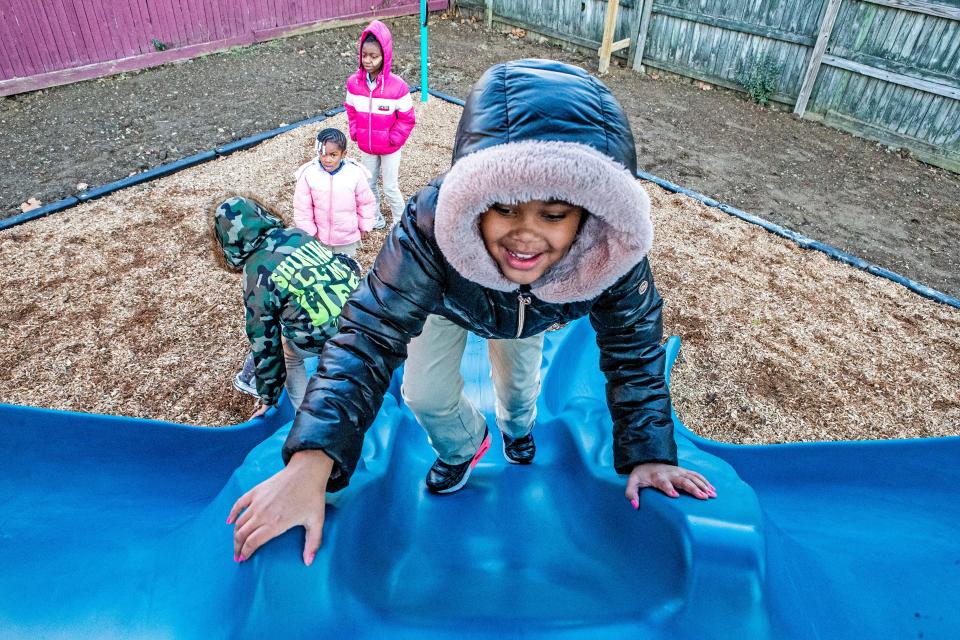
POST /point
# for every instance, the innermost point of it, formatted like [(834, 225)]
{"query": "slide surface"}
[(114, 527)]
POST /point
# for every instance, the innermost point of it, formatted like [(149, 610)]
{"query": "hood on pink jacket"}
[(384, 37)]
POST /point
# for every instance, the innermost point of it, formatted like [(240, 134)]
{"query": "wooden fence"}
[(888, 70), (49, 42)]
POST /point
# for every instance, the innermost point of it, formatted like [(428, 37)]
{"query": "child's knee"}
[(425, 400)]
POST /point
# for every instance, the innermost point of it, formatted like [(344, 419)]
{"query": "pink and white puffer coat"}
[(380, 119), (334, 207)]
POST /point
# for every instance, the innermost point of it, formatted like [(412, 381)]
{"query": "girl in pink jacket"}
[(380, 112), (333, 201)]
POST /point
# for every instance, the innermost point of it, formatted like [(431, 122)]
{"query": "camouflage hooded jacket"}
[(292, 286)]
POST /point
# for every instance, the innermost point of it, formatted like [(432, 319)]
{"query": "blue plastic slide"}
[(114, 527)]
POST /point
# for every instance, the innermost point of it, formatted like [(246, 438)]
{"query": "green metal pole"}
[(424, 87)]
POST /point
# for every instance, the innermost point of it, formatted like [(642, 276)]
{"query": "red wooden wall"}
[(49, 42)]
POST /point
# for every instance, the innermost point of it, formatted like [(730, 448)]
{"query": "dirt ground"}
[(116, 306), (848, 192)]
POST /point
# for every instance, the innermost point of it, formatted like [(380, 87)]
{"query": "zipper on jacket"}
[(370, 122), (370, 109), (524, 300), (370, 114), (329, 206)]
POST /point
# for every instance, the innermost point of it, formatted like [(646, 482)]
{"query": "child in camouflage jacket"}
[(293, 291)]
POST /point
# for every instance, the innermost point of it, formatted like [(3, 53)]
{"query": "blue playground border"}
[(251, 141)]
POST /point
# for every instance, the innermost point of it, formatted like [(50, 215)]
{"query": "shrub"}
[(759, 78)]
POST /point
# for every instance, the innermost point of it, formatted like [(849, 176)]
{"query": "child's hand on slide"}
[(294, 496), (258, 409), (668, 479)]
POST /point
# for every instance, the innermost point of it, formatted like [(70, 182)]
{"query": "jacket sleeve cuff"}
[(344, 459), (662, 449)]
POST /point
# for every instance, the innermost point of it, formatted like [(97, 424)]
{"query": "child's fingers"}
[(633, 492), (312, 542), (242, 503), (704, 486), (691, 481), (663, 482), (245, 516), (702, 481), (689, 485), (257, 538), (241, 533)]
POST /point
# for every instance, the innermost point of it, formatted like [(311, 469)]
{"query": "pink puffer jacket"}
[(380, 119), (334, 207)]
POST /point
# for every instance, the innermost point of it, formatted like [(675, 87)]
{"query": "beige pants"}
[(387, 167), (346, 249), (433, 388), (293, 362)]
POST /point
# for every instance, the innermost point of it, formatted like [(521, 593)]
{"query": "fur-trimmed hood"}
[(540, 130)]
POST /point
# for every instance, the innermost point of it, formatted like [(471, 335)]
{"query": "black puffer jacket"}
[(532, 129)]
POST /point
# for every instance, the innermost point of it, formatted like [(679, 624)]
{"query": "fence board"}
[(72, 25), (9, 64), (736, 25), (922, 122), (927, 111), (128, 25), (203, 20), (20, 27), (929, 8), (140, 26), (882, 34), (217, 18), (898, 78), (221, 20), (162, 26), (32, 17), (910, 112), (56, 57), (928, 121), (910, 103), (198, 21), (892, 41), (13, 59), (181, 19), (948, 135), (98, 31), (948, 43)]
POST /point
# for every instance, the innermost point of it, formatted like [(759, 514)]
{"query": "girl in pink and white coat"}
[(333, 201), (380, 112)]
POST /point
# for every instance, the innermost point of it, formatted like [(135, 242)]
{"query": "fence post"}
[(641, 38), (488, 13), (606, 44), (816, 56), (424, 52)]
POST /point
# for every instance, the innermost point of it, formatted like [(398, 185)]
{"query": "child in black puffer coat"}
[(539, 221)]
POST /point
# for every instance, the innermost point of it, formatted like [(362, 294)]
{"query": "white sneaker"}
[(246, 380)]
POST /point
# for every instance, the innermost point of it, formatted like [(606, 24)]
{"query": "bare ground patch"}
[(116, 307)]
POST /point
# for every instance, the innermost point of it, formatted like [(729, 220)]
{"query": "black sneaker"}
[(519, 451), (447, 478)]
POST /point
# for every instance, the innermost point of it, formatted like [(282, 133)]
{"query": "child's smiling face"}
[(528, 238), (371, 57)]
